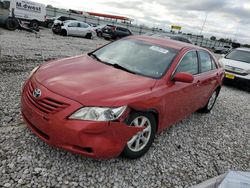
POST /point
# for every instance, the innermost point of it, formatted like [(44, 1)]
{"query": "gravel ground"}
[(200, 147)]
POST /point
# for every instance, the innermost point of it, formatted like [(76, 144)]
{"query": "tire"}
[(64, 33), (34, 25), (99, 33), (56, 29), (12, 24), (50, 25), (136, 147), (211, 101), (89, 36)]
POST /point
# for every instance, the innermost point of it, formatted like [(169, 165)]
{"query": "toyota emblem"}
[(37, 93)]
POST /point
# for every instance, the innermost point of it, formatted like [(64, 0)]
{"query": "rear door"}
[(73, 28), (207, 79), (83, 29)]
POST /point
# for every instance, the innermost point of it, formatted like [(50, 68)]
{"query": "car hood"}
[(238, 64), (90, 82)]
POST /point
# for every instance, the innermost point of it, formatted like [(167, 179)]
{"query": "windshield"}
[(137, 57), (239, 55)]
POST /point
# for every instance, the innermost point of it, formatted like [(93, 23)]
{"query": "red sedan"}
[(115, 99)]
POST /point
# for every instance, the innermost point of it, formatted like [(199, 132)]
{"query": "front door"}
[(181, 99)]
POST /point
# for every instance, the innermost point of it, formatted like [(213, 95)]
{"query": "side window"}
[(214, 66), (83, 25), (73, 24), (121, 29), (189, 63), (205, 61)]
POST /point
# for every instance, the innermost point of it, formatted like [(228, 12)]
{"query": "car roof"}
[(244, 49), (166, 42)]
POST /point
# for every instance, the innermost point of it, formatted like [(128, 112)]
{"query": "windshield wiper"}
[(122, 68), (117, 66)]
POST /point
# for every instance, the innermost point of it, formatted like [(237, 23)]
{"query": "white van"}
[(27, 11)]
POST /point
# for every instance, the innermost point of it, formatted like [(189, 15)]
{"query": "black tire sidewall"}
[(34, 24), (50, 25), (64, 33), (12, 24), (131, 154), (206, 109), (89, 36)]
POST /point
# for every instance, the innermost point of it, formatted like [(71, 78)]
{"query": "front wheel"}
[(210, 104), (64, 33), (140, 143)]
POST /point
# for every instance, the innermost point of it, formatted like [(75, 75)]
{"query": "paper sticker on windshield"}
[(159, 49)]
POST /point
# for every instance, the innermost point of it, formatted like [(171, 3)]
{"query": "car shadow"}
[(237, 85)]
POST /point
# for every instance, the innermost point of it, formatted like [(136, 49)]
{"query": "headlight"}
[(98, 113), (33, 71)]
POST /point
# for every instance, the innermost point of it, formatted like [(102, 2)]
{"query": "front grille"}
[(45, 105)]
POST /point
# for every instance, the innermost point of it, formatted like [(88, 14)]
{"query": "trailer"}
[(15, 12)]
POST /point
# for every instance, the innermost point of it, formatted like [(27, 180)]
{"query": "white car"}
[(78, 29), (237, 65)]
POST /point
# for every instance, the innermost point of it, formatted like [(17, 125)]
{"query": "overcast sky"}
[(225, 18)]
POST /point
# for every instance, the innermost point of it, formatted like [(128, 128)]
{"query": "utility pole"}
[(204, 23)]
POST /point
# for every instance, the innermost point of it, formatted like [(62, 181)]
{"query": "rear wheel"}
[(89, 36), (99, 33), (50, 24), (210, 104), (140, 143), (34, 24), (12, 24)]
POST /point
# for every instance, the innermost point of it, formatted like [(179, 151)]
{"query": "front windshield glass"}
[(239, 55), (137, 57)]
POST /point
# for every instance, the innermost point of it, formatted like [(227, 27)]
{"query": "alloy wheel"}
[(140, 140)]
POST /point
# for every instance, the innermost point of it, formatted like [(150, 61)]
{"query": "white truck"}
[(12, 12)]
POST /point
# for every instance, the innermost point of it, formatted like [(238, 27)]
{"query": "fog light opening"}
[(84, 149)]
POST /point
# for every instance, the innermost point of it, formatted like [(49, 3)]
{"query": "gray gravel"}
[(198, 148)]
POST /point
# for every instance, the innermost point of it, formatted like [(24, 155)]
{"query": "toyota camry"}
[(114, 100)]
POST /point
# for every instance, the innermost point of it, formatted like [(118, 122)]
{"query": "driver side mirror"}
[(183, 77)]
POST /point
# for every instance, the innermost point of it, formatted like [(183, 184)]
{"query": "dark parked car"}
[(49, 22), (115, 32), (182, 39), (222, 49)]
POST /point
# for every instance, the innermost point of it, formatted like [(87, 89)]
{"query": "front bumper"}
[(102, 140), (237, 79)]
